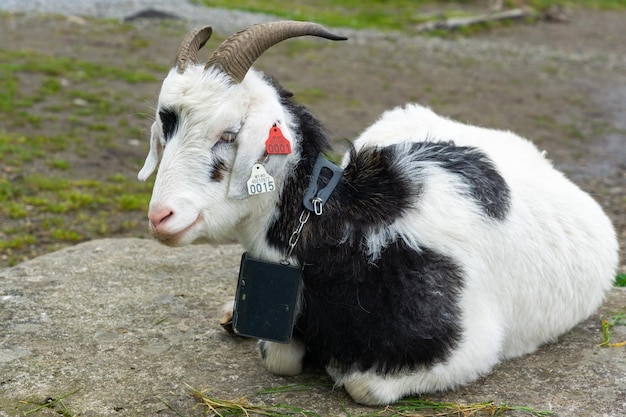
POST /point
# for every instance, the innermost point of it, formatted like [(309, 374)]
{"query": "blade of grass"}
[(417, 407), (290, 388), (409, 407), (529, 410), (170, 407), (52, 402), (607, 325)]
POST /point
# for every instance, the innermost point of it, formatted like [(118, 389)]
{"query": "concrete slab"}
[(130, 325)]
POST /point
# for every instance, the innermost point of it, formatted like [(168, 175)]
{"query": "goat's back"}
[(530, 275)]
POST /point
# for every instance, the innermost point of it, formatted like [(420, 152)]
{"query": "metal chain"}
[(295, 236), (314, 200)]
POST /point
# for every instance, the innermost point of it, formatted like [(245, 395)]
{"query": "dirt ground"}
[(563, 85)]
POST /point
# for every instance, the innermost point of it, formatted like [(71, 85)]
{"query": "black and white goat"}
[(444, 249)]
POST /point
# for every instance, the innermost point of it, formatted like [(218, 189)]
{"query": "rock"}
[(131, 325), (150, 13)]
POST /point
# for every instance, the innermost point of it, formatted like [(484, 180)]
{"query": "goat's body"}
[(455, 278), (444, 249), (532, 257)]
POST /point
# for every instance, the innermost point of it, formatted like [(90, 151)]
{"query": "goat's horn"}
[(236, 54), (189, 47)]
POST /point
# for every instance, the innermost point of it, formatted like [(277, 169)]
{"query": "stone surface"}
[(132, 325)]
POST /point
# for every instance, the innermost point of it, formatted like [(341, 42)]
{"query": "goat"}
[(444, 248)]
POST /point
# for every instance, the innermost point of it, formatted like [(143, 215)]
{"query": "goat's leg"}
[(227, 316), (282, 359), (371, 389), (473, 357)]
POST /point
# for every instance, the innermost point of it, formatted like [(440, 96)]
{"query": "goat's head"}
[(210, 129)]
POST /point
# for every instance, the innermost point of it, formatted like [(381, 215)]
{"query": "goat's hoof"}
[(227, 322), (363, 391), (282, 359), (227, 319)]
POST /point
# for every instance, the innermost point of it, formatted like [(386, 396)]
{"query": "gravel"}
[(223, 21), (229, 21)]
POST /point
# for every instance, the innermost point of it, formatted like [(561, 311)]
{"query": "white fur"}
[(216, 211), (284, 359), (528, 278)]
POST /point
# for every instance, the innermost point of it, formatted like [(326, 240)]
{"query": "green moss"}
[(14, 210), (18, 242), (62, 210), (54, 109), (51, 222), (70, 68), (7, 190), (129, 202), (17, 149), (51, 85), (66, 235), (119, 178), (61, 164), (47, 76)]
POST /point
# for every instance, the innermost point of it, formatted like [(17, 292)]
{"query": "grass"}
[(608, 323), (55, 404), (59, 116), (49, 74), (44, 202), (383, 14), (414, 407), (52, 207), (70, 68), (60, 113)]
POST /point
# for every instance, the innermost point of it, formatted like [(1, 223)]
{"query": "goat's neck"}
[(269, 237), (289, 206)]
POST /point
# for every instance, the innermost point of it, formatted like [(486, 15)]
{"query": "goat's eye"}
[(228, 136)]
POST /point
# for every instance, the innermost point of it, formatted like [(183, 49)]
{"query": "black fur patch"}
[(312, 140), (486, 185), (218, 170), (399, 312), (372, 193), (169, 120)]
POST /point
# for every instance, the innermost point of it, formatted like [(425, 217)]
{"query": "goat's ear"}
[(251, 150), (152, 160)]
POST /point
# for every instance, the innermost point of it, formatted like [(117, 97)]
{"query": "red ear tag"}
[(276, 143)]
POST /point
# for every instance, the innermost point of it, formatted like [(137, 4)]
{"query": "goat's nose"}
[(159, 216)]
